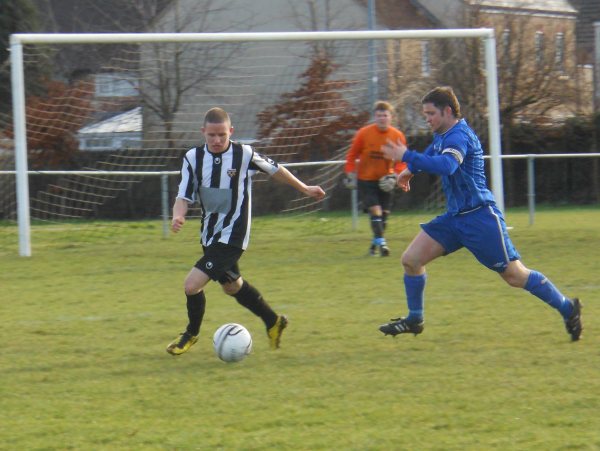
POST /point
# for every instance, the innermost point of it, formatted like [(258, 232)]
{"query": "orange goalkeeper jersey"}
[(366, 147)]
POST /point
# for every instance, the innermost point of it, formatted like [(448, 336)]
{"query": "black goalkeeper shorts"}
[(370, 195)]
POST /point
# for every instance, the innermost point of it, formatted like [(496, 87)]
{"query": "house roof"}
[(562, 7), (127, 122)]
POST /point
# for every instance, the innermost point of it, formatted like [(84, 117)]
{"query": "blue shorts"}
[(482, 231)]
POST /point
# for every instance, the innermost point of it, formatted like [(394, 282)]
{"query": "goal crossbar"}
[(18, 92), (119, 38)]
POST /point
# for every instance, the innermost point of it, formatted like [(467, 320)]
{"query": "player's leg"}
[(196, 301), (422, 250), (385, 203), (249, 297), (217, 259), (194, 285), (519, 276), (487, 238), (385, 214), (369, 196), (376, 218)]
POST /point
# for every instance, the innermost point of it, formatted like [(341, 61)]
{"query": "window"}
[(559, 52), (132, 143), (539, 48), (116, 85), (505, 57), (425, 58), (506, 42), (99, 143)]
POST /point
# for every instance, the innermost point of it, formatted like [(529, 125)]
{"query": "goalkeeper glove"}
[(350, 180), (388, 182)]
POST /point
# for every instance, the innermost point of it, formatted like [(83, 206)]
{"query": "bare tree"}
[(170, 71), (164, 73)]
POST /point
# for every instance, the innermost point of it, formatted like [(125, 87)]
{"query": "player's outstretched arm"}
[(285, 176)]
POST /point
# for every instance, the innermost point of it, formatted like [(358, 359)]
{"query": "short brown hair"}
[(441, 97), (382, 105), (217, 116)]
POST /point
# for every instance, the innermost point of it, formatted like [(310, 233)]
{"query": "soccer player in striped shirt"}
[(218, 175), (472, 219)]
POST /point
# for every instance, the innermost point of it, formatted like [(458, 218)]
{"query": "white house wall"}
[(269, 81)]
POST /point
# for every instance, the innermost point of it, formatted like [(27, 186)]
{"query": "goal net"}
[(101, 122)]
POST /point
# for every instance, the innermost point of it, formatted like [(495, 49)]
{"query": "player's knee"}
[(411, 263), (514, 281), (515, 275), (231, 288), (191, 288)]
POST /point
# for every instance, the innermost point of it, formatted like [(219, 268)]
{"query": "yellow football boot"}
[(275, 332), (182, 343)]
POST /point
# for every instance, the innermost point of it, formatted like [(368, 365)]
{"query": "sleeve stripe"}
[(455, 153), (264, 164), (189, 178)]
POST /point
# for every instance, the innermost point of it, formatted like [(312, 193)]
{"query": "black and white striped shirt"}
[(222, 183)]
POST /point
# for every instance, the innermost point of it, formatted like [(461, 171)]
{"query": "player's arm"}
[(285, 176), (354, 153), (404, 180), (268, 166), (445, 164), (180, 209), (352, 156), (399, 165), (186, 192)]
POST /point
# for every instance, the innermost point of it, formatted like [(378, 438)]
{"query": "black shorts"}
[(220, 262), (370, 195)]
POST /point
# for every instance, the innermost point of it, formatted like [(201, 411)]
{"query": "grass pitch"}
[(85, 323)]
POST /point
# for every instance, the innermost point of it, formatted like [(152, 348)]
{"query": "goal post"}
[(17, 41)]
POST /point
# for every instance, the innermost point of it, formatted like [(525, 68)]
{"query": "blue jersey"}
[(464, 182)]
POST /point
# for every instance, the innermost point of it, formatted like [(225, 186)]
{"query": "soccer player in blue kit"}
[(472, 219)]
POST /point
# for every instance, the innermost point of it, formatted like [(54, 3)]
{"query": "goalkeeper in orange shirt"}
[(375, 177)]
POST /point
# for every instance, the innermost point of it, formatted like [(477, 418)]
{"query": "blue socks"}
[(538, 285), (415, 287)]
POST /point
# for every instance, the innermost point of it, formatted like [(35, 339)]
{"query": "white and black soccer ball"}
[(388, 182), (232, 342)]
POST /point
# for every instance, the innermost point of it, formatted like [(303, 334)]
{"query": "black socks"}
[(249, 297), (377, 226), (196, 304)]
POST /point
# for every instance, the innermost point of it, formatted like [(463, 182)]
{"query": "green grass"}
[(85, 322)]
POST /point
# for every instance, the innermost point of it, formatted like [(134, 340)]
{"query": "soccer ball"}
[(388, 182), (232, 342)]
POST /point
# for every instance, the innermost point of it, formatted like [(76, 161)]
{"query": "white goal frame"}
[(18, 86)]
